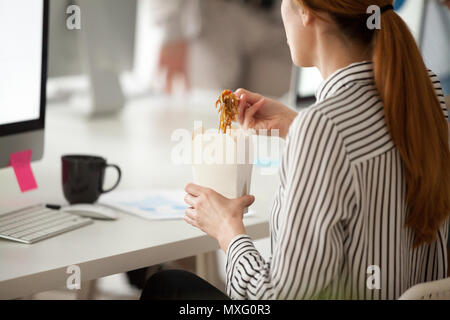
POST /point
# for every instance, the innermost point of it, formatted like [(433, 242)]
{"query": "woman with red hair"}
[(364, 198)]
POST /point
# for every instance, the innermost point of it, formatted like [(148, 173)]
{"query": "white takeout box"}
[(223, 162)]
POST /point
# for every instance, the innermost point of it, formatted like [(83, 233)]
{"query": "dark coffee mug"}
[(83, 176)]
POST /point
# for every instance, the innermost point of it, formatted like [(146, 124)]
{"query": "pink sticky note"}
[(21, 163)]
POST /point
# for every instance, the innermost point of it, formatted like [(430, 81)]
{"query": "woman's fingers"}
[(250, 112), (251, 96), (246, 201), (239, 92), (190, 217), (190, 212), (190, 200), (193, 189), (190, 221), (243, 105), (247, 100)]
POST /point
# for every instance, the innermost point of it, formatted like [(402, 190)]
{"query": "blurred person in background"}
[(219, 44)]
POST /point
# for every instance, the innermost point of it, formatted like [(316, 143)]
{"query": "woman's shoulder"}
[(355, 117), (338, 111), (311, 124), (308, 118)]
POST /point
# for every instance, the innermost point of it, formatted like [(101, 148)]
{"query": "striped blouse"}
[(337, 221)]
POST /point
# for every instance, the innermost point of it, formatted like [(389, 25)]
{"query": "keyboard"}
[(36, 223)]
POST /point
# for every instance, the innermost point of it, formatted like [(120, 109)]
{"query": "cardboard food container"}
[(223, 162)]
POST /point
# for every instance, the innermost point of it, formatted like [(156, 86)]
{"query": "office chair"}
[(433, 290)]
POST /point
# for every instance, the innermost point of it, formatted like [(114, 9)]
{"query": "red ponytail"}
[(412, 110)]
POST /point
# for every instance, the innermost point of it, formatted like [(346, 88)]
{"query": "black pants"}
[(180, 285)]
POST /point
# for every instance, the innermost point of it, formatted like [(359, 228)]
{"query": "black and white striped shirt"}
[(340, 208)]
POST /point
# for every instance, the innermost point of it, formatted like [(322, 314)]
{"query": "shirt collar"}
[(361, 72)]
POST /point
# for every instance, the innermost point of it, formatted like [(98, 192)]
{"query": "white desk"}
[(138, 140)]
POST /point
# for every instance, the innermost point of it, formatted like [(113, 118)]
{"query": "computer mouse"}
[(91, 211)]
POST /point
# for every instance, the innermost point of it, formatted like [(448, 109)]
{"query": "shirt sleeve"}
[(318, 197), (176, 19), (439, 92)]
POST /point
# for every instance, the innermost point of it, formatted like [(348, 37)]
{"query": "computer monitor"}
[(305, 81), (23, 66)]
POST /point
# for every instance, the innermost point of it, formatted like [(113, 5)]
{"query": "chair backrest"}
[(433, 290)]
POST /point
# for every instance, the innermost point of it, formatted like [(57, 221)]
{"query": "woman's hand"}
[(217, 216), (257, 112), (172, 60)]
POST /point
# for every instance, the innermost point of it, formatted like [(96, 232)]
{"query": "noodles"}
[(228, 104)]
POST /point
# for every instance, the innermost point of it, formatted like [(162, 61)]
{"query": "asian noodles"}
[(228, 109)]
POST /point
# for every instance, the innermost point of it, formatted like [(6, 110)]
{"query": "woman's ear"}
[(306, 16)]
